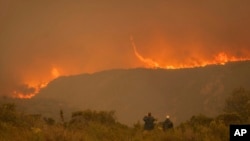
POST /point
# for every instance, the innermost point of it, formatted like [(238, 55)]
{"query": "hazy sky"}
[(79, 36)]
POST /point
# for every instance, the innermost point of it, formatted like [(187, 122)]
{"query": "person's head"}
[(149, 113), (167, 116)]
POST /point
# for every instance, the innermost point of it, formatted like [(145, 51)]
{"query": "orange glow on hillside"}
[(220, 58), (35, 86), (32, 83), (55, 72)]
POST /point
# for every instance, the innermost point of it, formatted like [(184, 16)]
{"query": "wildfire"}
[(35, 89), (147, 61), (32, 87), (220, 58)]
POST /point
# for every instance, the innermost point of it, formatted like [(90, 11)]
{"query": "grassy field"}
[(90, 125)]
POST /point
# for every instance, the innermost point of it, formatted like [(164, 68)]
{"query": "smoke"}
[(199, 30), (88, 36)]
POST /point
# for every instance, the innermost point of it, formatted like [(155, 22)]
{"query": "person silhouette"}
[(149, 122), (167, 124)]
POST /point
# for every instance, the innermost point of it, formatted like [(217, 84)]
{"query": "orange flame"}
[(221, 58), (36, 86)]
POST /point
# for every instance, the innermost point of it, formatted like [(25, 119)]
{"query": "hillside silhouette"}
[(132, 93)]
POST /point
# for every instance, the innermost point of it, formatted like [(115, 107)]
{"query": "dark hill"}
[(133, 93)]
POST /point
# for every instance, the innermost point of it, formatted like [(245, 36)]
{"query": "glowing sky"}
[(42, 39)]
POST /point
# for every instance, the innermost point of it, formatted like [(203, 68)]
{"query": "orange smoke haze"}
[(34, 86), (220, 58), (42, 40)]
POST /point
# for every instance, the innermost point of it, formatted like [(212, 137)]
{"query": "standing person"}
[(167, 124), (149, 122)]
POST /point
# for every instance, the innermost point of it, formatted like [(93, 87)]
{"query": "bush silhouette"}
[(87, 116), (238, 105)]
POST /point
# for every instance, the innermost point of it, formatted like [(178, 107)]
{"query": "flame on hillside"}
[(220, 58), (31, 85), (34, 89), (31, 88)]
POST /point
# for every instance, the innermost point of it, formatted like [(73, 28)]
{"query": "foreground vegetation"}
[(91, 125)]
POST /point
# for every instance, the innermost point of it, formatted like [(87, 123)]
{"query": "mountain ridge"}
[(134, 92)]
